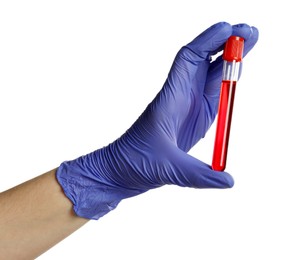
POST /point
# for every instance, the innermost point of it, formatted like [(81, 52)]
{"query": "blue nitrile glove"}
[(153, 152)]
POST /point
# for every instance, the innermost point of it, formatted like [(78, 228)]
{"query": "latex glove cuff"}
[(91, 199)]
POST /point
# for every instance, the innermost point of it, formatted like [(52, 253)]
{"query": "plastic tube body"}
[(231, 70)]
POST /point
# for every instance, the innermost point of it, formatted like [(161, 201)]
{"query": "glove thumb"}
[(191, 172)]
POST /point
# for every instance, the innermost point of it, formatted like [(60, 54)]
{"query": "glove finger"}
[(251, 41), (207, 43), (191, 172)]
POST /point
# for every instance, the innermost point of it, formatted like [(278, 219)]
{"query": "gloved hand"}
[(153, 152)]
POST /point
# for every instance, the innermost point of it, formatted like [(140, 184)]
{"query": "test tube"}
[(232, 57)]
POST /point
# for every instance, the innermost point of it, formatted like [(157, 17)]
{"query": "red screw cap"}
[(233, 49)]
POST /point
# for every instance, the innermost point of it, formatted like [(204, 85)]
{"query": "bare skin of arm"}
[(35, 216)]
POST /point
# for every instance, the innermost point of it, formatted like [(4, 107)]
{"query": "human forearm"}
[(35, 216)]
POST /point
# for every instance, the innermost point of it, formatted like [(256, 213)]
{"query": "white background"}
[(74, 75)]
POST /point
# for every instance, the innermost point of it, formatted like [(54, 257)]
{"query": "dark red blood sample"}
[(223, 125)]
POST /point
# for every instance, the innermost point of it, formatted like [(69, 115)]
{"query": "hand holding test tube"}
[(232, 56)]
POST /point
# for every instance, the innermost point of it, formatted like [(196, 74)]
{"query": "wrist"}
[(92, 195)]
